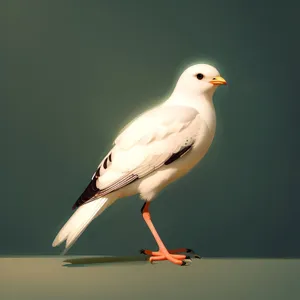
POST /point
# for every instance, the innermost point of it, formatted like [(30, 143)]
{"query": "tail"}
[(79, 221)]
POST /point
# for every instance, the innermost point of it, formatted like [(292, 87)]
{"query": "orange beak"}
[(218, 81)]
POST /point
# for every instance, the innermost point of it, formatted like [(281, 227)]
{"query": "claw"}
[(142, 251), (193, 252), (186, 262)]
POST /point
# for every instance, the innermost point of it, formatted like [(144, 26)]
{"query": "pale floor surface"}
[(47, 278)]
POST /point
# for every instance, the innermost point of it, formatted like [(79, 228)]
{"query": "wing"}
[(156, 138)]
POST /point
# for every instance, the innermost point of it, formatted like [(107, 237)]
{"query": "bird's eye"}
[(199, 76)]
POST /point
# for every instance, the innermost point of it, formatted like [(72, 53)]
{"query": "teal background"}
[(73, 73)]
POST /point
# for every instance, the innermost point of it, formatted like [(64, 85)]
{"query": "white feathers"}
[(148, 150), (82, 217), (149, 141), (155, 125)]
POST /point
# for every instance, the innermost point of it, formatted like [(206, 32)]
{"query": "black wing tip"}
[(89, 193), (178, 154), (75, 205), (78, 203), (82, 200)]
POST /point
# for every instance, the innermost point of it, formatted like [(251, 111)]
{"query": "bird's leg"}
[(162, 253)]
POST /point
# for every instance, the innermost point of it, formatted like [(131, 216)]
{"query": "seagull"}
[(155, 149)]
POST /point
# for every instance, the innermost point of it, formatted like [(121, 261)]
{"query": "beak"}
[(218, 81)]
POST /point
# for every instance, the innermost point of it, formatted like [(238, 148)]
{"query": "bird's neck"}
[(202, 103)]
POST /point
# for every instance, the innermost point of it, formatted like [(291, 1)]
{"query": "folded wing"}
[(156, 138)]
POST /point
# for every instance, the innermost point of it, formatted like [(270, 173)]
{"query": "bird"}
[(157, 148)]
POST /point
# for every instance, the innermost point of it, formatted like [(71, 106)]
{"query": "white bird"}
[(155, 149)]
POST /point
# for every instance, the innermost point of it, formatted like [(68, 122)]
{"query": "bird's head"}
[(199, 79)]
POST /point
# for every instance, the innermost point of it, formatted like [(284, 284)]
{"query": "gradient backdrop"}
[(73, 73)]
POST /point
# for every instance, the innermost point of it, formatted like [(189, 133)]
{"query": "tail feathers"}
[(79, 221)]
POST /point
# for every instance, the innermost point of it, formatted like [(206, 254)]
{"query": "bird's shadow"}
[(100, 260)]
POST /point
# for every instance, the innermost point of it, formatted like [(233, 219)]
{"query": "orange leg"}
[(162, 253)]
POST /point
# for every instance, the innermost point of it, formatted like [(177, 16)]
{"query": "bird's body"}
[(158, 147)]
